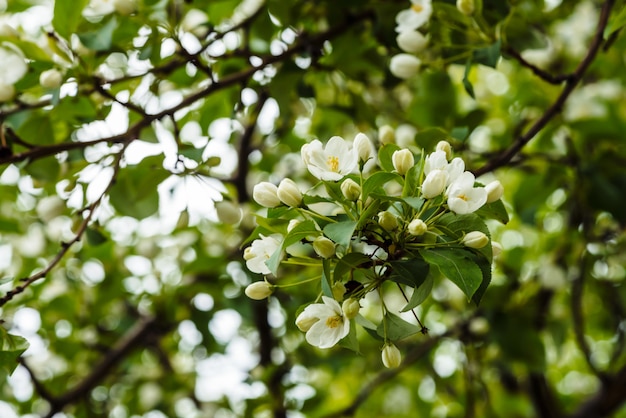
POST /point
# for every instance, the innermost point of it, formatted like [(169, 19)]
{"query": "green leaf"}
[(457, 265), (409, 272), (95, 237), (494, 210), (348, 263), (384, 156), (378, 180), (350, 341), (616, 22), (340, 232), (368, 326), (134, 192), (469, 88), (44, 169), (485, 267), (298, 233), (396, 328), (488, 56), (6, 279), (11, 348), (101, 39), (420, 294), (327, 289), (36, 130), (67, 16)]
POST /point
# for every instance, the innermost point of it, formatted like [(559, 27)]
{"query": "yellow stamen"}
[(417, 8), (463, 197), (333, 321), (333, 164)]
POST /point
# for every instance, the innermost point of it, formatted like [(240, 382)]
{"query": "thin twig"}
[(544, 75)]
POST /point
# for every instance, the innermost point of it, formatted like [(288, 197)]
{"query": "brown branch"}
[(505, 156), (607, 400), (544, 75)]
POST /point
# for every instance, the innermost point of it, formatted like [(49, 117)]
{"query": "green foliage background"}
[(131, 288)]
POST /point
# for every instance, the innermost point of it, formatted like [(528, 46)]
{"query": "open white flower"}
[(438, 160), (13, 65), (414, 17), (463, 197), (324, 323), (260, 251), (332, 162)]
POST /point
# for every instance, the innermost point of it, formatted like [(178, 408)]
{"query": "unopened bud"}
[(350, 189), (434, 184), (479, 326), (125, 7), (402, 161), (305, 322), (289, 193), (350, 308), (466, 6), (338, 290), (496, 249), (51, 79), (266, 194), (391, 356), (228, 212), (292, 224), (324, 247), (7, 92), (494, 191), (259, 290), (475, 239), (386, 135), (363, 147), (387, 220), (411, 41), (445, 147), (404, 66), (417, 227)]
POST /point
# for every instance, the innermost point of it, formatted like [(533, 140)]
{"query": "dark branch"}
[(544, 75)]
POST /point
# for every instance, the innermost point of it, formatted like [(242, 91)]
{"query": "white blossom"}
[(391, 356), (404, 66), (414, 17), (324, 323), (266, 194), (463, 197), (13, 65), (411, 41), (260, 251), (434, 184), (331, 162)]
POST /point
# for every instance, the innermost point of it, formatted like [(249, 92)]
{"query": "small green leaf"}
[(350, 341), (6, 279), (95, 237), (340, 232), (11, 348), (488, 56), (457, 265), (396, 328), (420, 294), (409, 272), (469, 88), (327, 289), (350, 262), (102, 39), (368, 326), (67, 16), (44, 169), (378, 180), (494, 210), (384, 156)]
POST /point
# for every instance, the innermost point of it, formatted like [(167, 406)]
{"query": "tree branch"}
[(505, 156), (607, 400), (544, 75)]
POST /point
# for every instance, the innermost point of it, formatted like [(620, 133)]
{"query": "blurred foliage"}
[(176, 105)]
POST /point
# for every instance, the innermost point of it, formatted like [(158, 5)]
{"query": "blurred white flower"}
[(414, 17), (332, 162), (402, 161), (289, 193), (266, 194), (260, 251), (404, 66), (324, 323), (13, 65), (51, 79), (411, 41), (463, 197), (259, 290)]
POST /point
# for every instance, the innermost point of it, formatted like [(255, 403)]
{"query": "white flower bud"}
[(125, 7), (351, 190), (479, 326), (292, 224), (387, 220), (7, 92), (50, 207), (402, 160), (259, 290), (494, 191), (496, 249), (266, 194), (466, 6), (228, 212), (434, 184), (51, 79), (305, 322), (338, 290), (195, 21), (411, 41), (391, 356), (417, 227), (350, 308), (386, 135), (324, 247), (445, 147), (8, 31), (289, 193), (475, 239), (404, 66), (363, 147)]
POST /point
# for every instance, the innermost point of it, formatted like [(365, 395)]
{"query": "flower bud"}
[(475, 239), (259, 290), (479, 326), (289, 193), (434, 183), (404, 66), (8, 31), (417, 227), (496, 249), (292, 224), (338, 290), (324, 247), (228, 212), (266, 194), (196, 22), (351, 190), (391, 356), (7, 92), (350, 308), (125, 7), (402, 160), (386, 135), (411, 41), (494, 191), (305, 322), (51, 79), (387, 220), (445, 147), (363, 147), (466, 6)]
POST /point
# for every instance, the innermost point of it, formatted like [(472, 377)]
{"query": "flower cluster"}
[(411, 40), (413, 220)]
